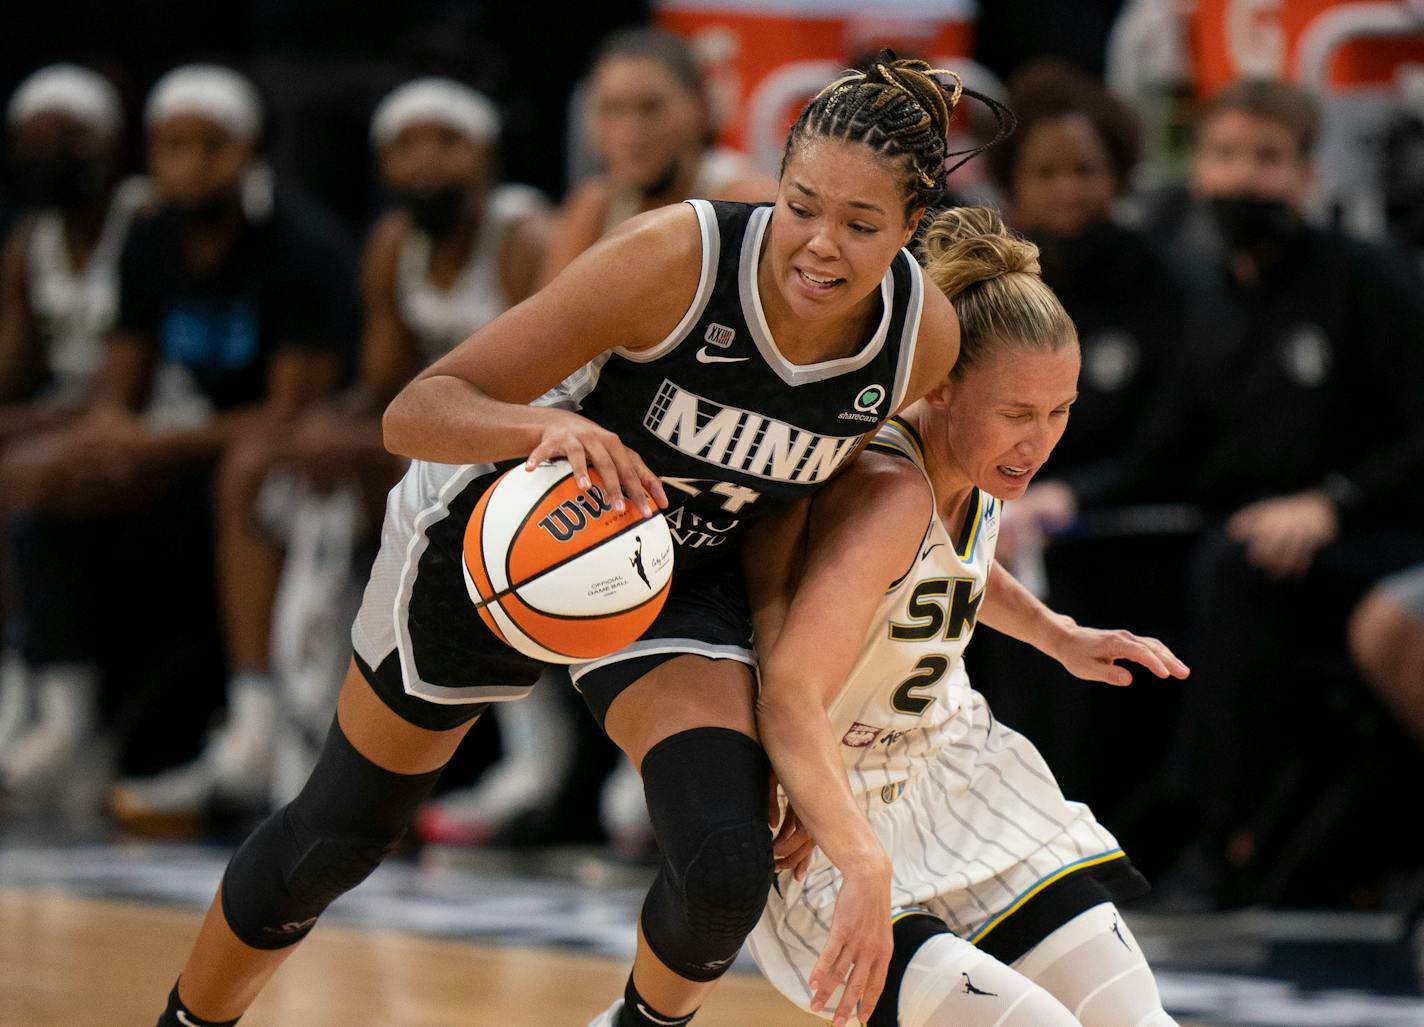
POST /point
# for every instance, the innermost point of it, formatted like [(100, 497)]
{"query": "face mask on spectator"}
[(1252, 223), (59, 178), (436, 212), (208, 213)]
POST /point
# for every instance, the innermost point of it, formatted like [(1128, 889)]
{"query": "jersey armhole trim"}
[(711, 254), (910, 333), (915, 557)]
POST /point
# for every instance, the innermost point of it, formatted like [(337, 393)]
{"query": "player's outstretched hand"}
[(585, 444), (1093, 655), (858, 950)]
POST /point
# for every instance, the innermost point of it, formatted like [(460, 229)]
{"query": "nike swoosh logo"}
[(930, 550), (707, 358), (183, 1019)]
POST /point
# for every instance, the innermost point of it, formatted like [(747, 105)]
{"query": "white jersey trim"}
[(911, 335), (800, 374), (661, 646), (711, 254)]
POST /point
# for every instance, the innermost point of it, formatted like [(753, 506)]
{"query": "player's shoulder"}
[(631, 287), (662, 245), (936, 340), (880, 492)]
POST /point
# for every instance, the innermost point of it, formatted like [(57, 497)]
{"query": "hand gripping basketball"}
[(556, 572), (586, 446)]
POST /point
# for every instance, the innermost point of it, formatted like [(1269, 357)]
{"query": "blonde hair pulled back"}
[(991, 275)]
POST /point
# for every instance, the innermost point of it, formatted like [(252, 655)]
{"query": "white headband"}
[(210, 91), (439, 100), (84, 95)]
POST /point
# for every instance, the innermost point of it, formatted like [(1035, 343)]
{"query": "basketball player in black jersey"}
[(726, 359)]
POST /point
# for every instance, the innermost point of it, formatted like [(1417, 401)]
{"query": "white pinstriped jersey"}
[(973, 821), (909, 682)]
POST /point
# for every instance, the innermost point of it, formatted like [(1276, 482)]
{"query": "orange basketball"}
[(554, 572)]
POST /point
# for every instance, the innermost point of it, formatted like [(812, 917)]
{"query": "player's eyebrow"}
[(849, 203)]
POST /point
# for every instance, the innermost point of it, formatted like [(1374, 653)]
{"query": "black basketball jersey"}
[(732, 427)]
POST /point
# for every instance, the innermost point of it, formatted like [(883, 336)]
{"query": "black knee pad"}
[(327, 840), (707, 794)]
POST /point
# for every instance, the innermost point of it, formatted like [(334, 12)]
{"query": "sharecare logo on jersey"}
[(867, 405), (870, 398), (741, 440), (573, 515)]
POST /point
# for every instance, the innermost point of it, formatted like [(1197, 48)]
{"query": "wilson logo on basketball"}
[(573, 515)]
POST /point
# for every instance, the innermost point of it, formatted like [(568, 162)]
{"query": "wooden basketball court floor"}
[(94, 933), (66, 961)]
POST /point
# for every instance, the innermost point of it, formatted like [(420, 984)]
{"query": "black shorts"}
[(428, 654)]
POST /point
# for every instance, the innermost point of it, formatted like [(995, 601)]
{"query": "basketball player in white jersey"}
[(458, 250), (920, 801), (649, 120)]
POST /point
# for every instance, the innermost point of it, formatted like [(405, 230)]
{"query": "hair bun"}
[(966, 245)]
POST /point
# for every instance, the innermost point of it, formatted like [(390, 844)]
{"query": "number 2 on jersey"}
[(927, 674)]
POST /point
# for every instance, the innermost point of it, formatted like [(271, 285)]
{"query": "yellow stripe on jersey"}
[(886, 447), (898, 434), (966, 551), (1018, 903)]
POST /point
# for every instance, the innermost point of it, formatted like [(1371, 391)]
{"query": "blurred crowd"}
[(195, 356)]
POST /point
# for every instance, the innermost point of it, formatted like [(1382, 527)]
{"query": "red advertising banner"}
[(765, 59), (1331, 45)]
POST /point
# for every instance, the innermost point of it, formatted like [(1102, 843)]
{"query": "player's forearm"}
[(802, 746), (1013, 610), (446, 420)]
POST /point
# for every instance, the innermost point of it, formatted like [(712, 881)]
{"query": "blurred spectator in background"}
[(650, 125), (1294, 418), (59, 278), (456, 250), (1062, 172), (233, 310)]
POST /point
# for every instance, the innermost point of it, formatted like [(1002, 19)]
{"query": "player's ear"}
[(941, 395), (911, 224)]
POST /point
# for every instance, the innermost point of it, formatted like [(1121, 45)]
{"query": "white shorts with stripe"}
[(979, 829)]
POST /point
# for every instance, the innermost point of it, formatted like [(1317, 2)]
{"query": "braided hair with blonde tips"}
[(899, 108)]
